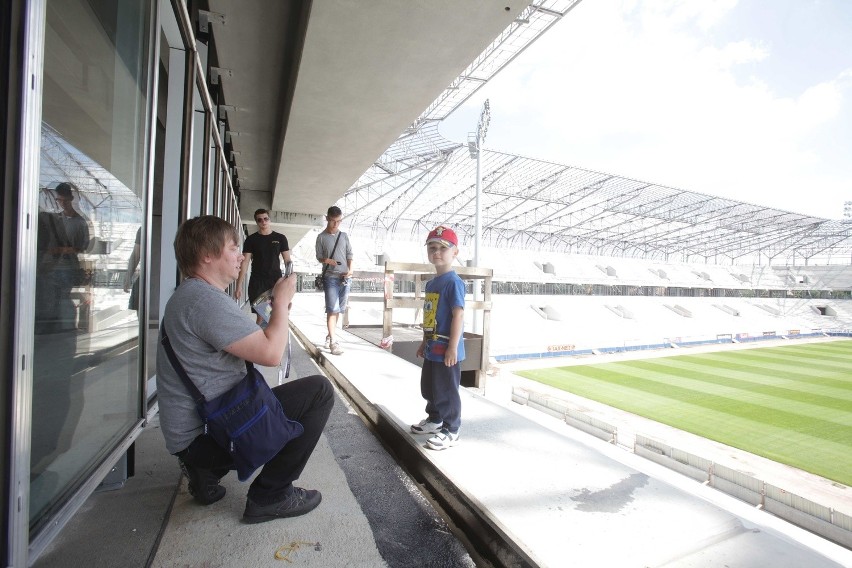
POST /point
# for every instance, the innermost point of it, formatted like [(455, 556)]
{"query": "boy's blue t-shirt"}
[(443, 293)]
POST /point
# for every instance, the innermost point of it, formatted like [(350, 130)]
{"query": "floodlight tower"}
[(847, 212), (475, 140)]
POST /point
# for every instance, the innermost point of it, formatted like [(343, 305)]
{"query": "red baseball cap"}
[(443, 235)]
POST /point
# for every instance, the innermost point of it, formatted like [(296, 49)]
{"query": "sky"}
[(749, 100)]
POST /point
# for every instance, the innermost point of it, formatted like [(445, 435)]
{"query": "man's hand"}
[(238, 290), (283, 292)]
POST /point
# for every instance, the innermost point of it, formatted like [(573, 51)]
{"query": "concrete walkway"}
[(370, 516), (561, 496), (558, 496)]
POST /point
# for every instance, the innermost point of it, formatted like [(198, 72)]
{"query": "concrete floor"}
[(372, 513), (559, 496)]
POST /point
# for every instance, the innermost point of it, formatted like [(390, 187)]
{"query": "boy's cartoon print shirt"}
[(443, 293)]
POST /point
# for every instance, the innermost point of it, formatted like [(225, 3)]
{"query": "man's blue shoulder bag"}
[(248, 420)]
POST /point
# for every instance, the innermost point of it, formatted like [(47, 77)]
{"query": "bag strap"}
[(289, 356), (324, 268), (190, 386)]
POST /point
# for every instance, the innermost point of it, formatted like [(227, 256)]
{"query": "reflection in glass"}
[(86, 376), (62, 236), (131, 276)]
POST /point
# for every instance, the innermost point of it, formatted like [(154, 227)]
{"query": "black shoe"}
[(203, 484), (299, 502)]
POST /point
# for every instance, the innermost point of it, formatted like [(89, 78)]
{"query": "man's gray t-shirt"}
[(201, 321), (343, 252)]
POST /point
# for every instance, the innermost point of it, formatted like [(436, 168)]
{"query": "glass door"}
[(91, 205)]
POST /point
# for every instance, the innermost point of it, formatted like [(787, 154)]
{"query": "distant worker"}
[(442, 348), (261, 250), (335, 254)]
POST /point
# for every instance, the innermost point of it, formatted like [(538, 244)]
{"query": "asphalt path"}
[(408, 531)]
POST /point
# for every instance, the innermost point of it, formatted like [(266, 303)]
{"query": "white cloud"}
[(639, 89), (679, 13), (818, 105), (735, 53)]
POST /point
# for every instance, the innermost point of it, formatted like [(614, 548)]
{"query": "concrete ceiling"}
[(317, 90)]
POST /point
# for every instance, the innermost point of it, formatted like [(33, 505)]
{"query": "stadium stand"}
[(828, 277), (765, 277), (592, 302), (516, 265), (581, 268)]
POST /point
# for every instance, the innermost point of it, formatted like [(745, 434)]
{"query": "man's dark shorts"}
[(258, 286)]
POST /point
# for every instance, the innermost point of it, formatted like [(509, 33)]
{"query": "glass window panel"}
[(86, 377)]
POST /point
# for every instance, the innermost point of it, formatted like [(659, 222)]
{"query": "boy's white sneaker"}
[(426, 427), (442, 440)]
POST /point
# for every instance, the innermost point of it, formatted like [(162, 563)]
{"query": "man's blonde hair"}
[(199, 237)]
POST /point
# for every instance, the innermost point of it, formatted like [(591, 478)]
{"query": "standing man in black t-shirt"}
[(262, 247)]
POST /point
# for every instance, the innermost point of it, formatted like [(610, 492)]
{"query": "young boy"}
[(442, 347)]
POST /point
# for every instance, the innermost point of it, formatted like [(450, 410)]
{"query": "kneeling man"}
[(213, 340)]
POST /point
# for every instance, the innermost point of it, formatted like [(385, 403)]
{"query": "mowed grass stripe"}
[(720, 382), (723, 403), (733, 379), (755, 363), (769, 402), (701, 380), (808, 425), (837, 361), (820, 354), (840, 348), (783, 360), (814, 379), (791, 368), (827, 383), (836, 358)]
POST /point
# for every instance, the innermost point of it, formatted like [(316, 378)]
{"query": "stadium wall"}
[(578, 325), (825, 521)]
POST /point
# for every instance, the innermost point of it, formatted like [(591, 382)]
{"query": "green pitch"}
[(791, 404)]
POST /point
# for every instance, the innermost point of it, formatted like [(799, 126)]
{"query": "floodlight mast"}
[(475, 147)]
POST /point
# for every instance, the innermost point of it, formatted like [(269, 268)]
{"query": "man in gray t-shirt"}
[(214, 341), (335, 253)]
